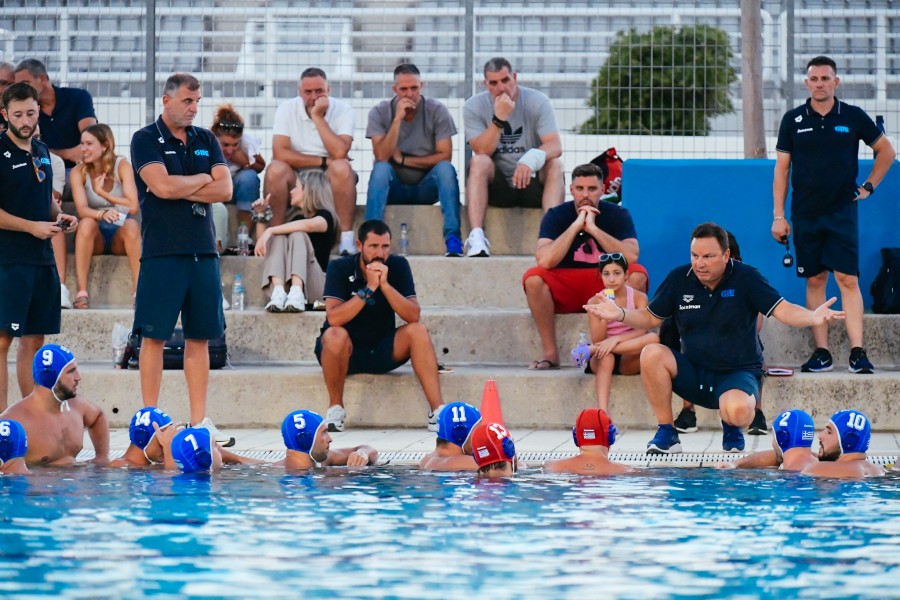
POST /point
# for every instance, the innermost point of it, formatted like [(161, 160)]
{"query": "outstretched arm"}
[(798, 316)]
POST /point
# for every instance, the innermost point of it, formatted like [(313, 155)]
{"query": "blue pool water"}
[(394, 532)]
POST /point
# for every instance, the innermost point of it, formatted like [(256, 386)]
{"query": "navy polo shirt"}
[(718, 327), (25, 197), (584, 253), (373, 322), (59, 130), (824, 155), (169, 227)]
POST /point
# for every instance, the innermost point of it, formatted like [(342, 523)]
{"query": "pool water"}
[(394, 532)]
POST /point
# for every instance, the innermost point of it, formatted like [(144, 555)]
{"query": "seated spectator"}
[(572, 238), (106, 201), (13, 447), (309, 445), (453, 450), (412, 141), (241, 152), (515, 150), (793, 433), (594, 433), (842, 448), (494, 451), (297, 252), (314, 131), (58, 241), (615, 347)]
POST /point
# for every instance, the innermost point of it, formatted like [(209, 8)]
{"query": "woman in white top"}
[(106, 200)]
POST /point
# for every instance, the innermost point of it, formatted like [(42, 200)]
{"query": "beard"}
[(829, 456), (372, 260), (319, 456), (63, 393), (18, 132)]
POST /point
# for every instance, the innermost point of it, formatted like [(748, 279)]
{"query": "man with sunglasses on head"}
[(30, 297), (575, 237)]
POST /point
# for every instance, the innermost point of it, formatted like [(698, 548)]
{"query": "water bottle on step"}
[(237, 293), (581, 353), (404, 240), (243, 240)]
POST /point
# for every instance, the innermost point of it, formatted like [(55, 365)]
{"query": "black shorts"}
[(377, 358), (503, 195), (828, 243), (617, 363), (703, 387), (29, 302), (186, 284)]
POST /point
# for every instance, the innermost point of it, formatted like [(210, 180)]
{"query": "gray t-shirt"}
[(419, 137), (532, 118)]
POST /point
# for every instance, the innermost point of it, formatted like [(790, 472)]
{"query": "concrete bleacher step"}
[(263, 395)]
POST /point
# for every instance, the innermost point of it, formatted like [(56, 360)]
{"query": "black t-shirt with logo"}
[(23, 195)]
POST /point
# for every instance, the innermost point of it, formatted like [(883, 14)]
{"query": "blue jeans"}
[(439, 184), (246, 188)]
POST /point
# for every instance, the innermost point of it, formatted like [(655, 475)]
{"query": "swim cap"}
[(793, 429), (853, 430), (49, 363), (299, 430), (594, 427), (491, 443), (141, 431), (456, 421), (13, 441), (192, 450)]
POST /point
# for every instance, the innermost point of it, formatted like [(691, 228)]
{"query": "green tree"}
[(666, 81)]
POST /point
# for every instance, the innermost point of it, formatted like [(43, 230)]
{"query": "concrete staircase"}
[(481, 328)]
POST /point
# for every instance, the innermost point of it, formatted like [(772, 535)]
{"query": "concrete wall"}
[(667, 198)]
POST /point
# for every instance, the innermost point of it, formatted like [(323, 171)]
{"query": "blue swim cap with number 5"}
[(299, 430)]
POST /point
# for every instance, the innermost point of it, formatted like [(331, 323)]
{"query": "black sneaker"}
[(859, 362), (758, 426), (686, 421), (819, 362)]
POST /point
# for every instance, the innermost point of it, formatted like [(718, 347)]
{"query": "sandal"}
[(81, 300), (543, 365)]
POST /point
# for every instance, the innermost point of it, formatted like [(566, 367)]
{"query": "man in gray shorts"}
[(511, 130)]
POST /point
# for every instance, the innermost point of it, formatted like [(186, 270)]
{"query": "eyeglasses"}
[(38, 172), (231, 127), (611, 257)]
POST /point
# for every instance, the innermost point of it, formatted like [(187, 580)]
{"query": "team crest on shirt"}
[(798, 118), (799, 269), (7, 154), (687, 298), (15, 326)]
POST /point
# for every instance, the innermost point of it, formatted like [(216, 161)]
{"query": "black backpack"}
[(885, 288)]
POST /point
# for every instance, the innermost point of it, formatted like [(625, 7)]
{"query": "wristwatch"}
[(364, 293), (868, 187), (499, 122), (324, 162)]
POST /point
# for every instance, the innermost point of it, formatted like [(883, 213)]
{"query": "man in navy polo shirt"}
[(179, 171), (818, 145), (715, 301), (29, 302), (364, 293)]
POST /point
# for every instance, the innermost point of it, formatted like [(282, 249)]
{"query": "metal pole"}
[(150, 67), (789, 51), (470, 47), (751, 79)]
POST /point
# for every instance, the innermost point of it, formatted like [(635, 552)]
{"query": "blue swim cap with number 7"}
[(192, 450)]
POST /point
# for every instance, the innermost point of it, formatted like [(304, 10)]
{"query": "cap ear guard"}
[(783, 438), (849, 439), (509, 447), (575, 437), (304, 439), (140, 437), (611, 434), (7, 448)]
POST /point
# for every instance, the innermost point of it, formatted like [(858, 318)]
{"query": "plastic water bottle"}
[(581, 353), (237, 293), (404, 240), (243, 240)]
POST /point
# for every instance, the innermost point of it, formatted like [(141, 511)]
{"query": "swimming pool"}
[(394, 532)]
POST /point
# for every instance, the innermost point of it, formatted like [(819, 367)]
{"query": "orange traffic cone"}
[(490, 404)]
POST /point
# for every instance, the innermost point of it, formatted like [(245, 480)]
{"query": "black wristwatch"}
[(324, 162), (868, 187), (364, 293), (499, 122)]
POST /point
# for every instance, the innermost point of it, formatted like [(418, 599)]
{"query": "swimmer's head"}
[(50, 363), (594, 427), (793, 429), (192, 450), (456, 422), (492, 443), (304, 431), (13, 441), (141, 431), (848, 431)]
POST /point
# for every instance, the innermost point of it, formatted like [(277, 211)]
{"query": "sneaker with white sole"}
[(64, 300), (296, 301), (433, 418), (665, 441), (279, 297), (334, 418), (686, 421), (225, 441), (477, 244)]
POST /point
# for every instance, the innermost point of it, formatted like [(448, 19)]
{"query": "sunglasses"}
[(232, 127), (41, 176), (611, 257)]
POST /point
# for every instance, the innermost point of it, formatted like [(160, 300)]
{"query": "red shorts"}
[(572, 288)]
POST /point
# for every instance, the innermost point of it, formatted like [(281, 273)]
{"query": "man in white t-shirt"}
[(314, 131)]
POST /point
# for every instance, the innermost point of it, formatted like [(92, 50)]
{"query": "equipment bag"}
[(173, 352), (885, 288), (611, 164)]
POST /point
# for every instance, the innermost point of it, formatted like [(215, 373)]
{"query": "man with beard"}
[(30, 302), (842, 448), (364, 293), (308, 445), (53, 415), (792, 437)]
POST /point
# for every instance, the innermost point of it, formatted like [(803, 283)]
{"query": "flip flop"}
[(82, 301), (543, 365)]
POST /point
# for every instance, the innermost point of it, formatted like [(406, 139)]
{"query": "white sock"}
[(346, 238), (477, 231)]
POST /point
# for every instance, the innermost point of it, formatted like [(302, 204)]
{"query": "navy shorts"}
[(828, 243), (187, 284), (376, 359), (703, 387), (502, 195), (29, 303)]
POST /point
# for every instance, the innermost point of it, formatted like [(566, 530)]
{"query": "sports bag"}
[(885, 288), (611, 164), (173, 352)]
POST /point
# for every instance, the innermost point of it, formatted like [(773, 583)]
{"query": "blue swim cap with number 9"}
[(49, 363)]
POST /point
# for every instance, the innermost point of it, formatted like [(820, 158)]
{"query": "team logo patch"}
[(7, 154), (798, 118), (728, 293), (687, 298), (483, 452), (842, 129), (589, 434), (807, 434), (201, 152), (15, 326), (799, 269)]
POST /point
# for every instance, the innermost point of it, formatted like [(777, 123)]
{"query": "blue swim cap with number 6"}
[(13, 441), (192, 450), (853, 430)]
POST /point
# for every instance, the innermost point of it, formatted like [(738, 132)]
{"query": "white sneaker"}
[(433, 418), (334, 418), (296, 301), (276, 304), (64, 300), (226, 305), (347, 247), (478, 244), (207, 424)]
